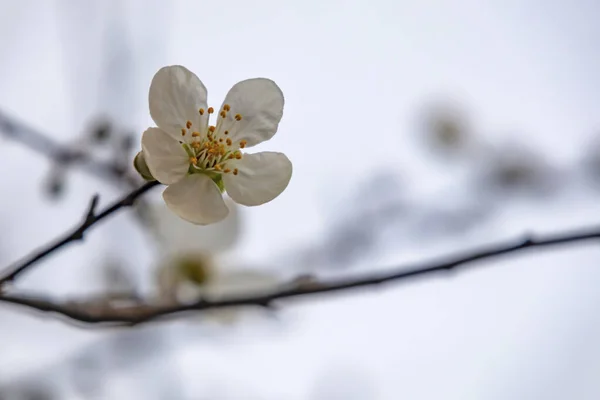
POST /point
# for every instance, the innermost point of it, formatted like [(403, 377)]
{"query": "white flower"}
[(193, 264), (199, 161)]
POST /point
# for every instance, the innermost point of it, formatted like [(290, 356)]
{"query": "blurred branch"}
[(60, 154), (91, 218), (103, 312)]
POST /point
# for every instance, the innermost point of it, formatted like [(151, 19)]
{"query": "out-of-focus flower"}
[(513, 168), (194, 263), (446, 130), (199, 161)]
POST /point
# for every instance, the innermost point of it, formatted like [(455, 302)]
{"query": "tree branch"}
[(137, 312), (44, 145), (91, 218)]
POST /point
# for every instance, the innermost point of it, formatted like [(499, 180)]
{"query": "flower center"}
[(210, 151), (196, 268)]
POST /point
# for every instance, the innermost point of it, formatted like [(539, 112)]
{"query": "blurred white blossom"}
[(199, 161), (447, 130), (195, 261), (513, 168)]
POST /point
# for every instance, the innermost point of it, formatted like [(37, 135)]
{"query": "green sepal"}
[(139, 163), (218, 180)]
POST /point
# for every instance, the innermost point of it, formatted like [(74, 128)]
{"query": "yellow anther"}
[(201, 111), (196, 145), (238, 156), (226, 133), (231, 156), (211, 128), (221, 140), (238, 117), (211, 110), (243, 144), (235, 171), (226, 107), (228, 141), (194, 160), (227, 170), (217, 167), (182, 131), (195, 134), (223, 114), (188, 124)]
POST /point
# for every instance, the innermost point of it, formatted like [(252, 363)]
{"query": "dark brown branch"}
[(91, 218), (137, 313)]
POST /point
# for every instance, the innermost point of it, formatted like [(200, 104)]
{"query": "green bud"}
[(142, 168), (219, 181)]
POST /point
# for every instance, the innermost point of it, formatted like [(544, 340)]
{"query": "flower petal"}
[(259, 101), (197, 199), (241, 283), (181, 237), (166, 159), (261, 177), (176, 95)]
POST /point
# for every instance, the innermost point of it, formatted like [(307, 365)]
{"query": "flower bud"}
[(142, 168)]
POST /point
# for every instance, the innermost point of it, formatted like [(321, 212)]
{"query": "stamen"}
[(227, 170), (228, 141), (243, 144), (235, 171), (226, 107), (238, 156), (226, 133), (223, 114), (221, 140), (211, 128), (211, 110), (194, 160), (195, 134), (238, 117), (182, 131), (201, 111), (218, 167), (188, 124), (196, 145)]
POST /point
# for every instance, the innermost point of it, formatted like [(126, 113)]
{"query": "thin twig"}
[(33, 139), (138, 313), (91, 218), (46, 146)]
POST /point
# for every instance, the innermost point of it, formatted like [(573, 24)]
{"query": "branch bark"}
[(91, 219), (94, 313)]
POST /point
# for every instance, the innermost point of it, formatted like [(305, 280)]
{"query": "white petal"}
[(260, 103), (176, 95), (181, 237), (174, 282), (241, 283), (261, 177), (167, 160), (197, 199), (168, 282)]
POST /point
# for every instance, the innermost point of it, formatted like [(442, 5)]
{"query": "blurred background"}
[(416, 129)]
